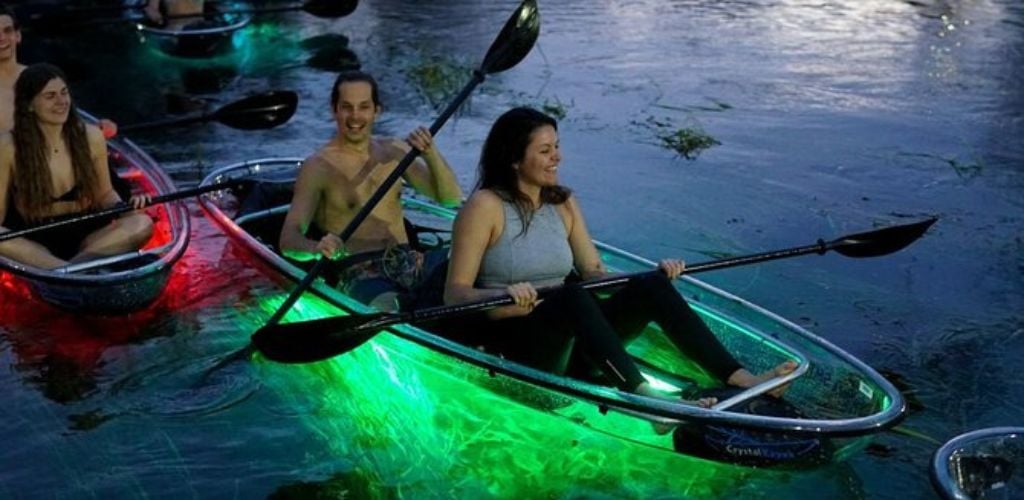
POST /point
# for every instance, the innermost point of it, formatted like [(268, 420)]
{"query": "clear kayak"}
[(986, 463), (833, 405), (205, 37), (119, 283)]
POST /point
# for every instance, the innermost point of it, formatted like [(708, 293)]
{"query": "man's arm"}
[(435, 179), (305, 200)]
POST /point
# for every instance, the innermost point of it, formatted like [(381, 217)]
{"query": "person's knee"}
[(138, 228), (572, 295)]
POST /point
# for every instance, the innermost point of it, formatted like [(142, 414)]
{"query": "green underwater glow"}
[(409, 421)]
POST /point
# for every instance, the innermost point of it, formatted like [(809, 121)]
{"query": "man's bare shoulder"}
[(315, 160), (315, 168), (390, 148)]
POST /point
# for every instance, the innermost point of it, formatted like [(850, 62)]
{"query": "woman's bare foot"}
[(662, 428), (743, 378)]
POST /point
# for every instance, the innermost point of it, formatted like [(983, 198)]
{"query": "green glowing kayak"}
[(207, 37), (834, 403)]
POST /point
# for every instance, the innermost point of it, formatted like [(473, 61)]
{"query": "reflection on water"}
[(832, 117)]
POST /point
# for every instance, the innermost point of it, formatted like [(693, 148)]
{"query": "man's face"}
[(355, 111), (10, 37)]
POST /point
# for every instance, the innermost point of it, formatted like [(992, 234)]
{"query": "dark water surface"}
[(832, 117)]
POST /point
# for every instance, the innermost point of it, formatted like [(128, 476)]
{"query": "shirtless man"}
[(174, 8), (10, 70), (335, 182)]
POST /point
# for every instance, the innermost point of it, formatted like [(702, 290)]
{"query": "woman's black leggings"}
[(574, 320)]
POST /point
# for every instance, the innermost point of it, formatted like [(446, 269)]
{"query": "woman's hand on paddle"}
[(672, 267), (140, 201), (108, 127), (524, 295), (331, 246)]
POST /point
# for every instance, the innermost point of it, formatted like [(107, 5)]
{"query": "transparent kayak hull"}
[(986, 463), (122, 283), (840, 399)]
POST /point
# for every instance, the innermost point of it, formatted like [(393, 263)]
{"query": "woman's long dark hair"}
[(505, 146), (33, 184)]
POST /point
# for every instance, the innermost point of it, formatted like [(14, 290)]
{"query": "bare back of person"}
[(10, 69), (349, 178), (8, 75), (6, 104), (175, 9)]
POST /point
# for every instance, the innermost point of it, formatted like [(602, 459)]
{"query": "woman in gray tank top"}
[(521, 230)]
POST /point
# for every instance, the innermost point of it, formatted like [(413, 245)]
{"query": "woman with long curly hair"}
[(53, 164)]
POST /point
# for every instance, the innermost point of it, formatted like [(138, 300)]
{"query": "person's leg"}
[(29, 252), (378, 292), (576, 310), (546, 337), (122, 235), (654, 298), (531, 340)]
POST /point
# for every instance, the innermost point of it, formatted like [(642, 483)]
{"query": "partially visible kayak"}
[(986, 463), (126, 282), (205, 37), (833, 405)]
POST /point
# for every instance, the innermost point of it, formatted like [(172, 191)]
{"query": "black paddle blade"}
[(515, 40), (315, 340), (881, 241), (261, 111), (330, 8)]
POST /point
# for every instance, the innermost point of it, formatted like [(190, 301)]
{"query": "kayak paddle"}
[(512, 44), (120, 208), (315, 340), (256, 112)]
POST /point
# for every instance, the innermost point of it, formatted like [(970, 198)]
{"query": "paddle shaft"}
[(117, 209), (433, 313), (329, 337), (364, 212)]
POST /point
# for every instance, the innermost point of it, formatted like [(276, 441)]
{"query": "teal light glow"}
[(258, 47)]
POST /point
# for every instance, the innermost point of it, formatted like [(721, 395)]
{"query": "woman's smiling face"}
[(52, 104), (539, 166)]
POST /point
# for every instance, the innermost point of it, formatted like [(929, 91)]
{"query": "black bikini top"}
[(70, 195)]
